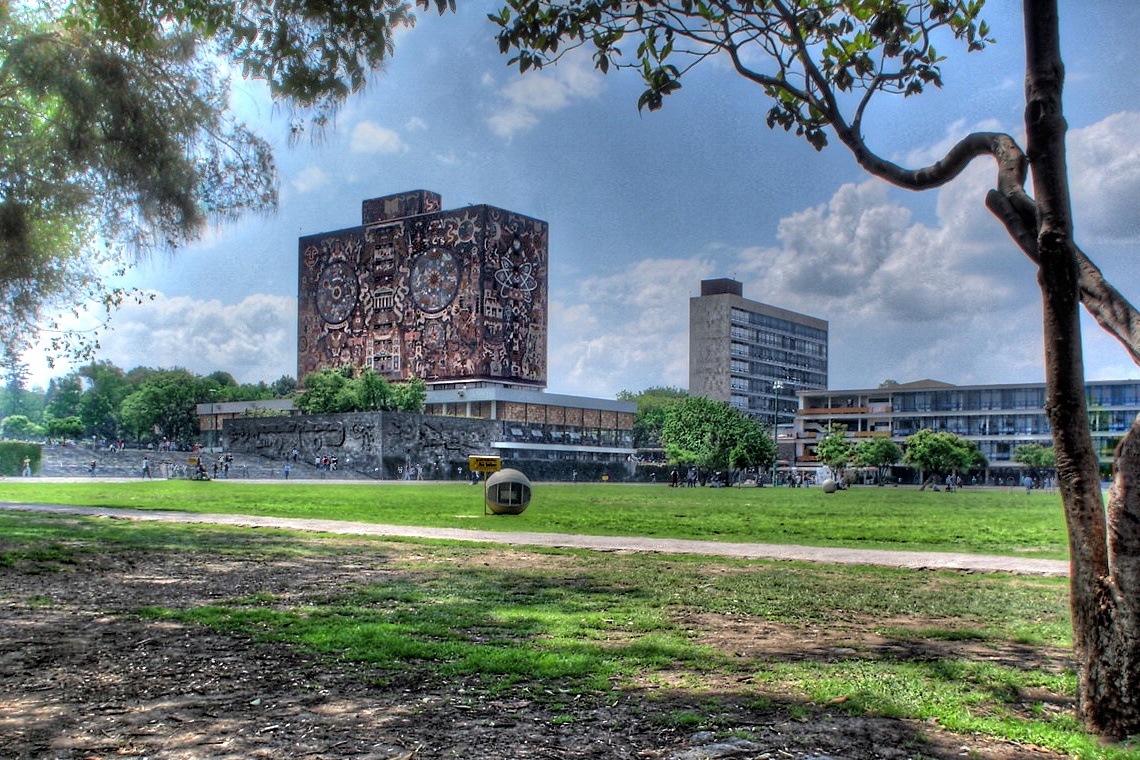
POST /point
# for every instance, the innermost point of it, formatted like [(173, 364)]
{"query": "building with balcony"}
[(998, 418), (753, 355)]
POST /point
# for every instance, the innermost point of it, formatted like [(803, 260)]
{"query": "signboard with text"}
[(484, 464)]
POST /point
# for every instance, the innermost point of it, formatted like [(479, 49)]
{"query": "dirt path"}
[(980, 563)]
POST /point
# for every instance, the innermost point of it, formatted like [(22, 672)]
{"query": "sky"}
[(643, 206)]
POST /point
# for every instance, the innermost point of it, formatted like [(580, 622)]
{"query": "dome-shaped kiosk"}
[(508, 492)]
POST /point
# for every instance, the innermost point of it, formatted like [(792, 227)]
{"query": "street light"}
[(777, 386)]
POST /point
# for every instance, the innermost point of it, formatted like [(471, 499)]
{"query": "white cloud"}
[(904, 300), (625, 330), (368, 137), (862, 254), (531, 96), (253, 340), (1104, 163), (310, 178)]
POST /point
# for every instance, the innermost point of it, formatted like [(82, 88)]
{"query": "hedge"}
[(12, 455)]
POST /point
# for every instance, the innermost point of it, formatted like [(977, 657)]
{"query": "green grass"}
[(574, 627), (981, 522)]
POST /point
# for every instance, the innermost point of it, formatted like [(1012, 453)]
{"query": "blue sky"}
[(642, 206)]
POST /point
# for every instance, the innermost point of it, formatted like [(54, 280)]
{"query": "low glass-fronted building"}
[(999, 418)]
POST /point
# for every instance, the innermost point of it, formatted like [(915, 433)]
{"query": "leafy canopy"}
[(1035, 455), (805, 54), (836, 450), (653, 405), (340, 390), (879, 452), (941, 453), (118, 140), (715, 436)]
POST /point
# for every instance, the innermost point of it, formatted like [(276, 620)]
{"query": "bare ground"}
[(83, 677)]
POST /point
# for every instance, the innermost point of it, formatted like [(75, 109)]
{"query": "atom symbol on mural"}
[(515, 271)]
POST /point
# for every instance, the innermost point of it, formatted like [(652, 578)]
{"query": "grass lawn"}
[(976, 654), (990, 521)]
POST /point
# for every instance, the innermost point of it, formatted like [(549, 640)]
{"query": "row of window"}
[(1114, 395), (754, 319), (817, 353), (567, 456), (776, 368), (958, 400), (779, 341), (574, 436), (985, 399), (763, 407), (1003, 424)]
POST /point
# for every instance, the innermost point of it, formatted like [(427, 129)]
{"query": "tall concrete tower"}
[(753, 355)]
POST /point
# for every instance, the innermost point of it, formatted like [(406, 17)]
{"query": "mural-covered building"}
[(416, 291), (458, 299)]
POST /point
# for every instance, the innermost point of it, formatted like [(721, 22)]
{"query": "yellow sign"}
[(484, 464)]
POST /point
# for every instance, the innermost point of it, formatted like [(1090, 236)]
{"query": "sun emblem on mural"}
[(516, 275), (337, 291), (434, 280)]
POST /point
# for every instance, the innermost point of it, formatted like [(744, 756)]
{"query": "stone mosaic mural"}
[(458, 294), (376, 443)]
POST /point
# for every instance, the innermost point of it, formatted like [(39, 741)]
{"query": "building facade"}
[(458, 299), (999, 418), (416, 291), (753, 355), (544, 426)]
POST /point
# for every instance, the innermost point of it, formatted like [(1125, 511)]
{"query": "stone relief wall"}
[(375, 443)]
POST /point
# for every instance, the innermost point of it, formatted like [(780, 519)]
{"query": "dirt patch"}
[(82, 677)]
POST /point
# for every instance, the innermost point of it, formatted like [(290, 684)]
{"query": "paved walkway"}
[(979, 563)]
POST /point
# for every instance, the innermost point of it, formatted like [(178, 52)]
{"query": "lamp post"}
[(777, 386)]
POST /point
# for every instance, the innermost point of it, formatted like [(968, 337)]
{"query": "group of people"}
[(690, 478)]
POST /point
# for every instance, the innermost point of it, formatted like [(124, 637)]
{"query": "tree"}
[(118, 140), (835, 450), (941, 453), (101, 402), (64, 428), (373, 391), (1035, 456), (19, 427), (822, 63), (409, 396), (62, 397), (337, 391), (652, 406), (283, 386), (15, 397), (325, 392), (715, 436), (879, 452), (165, 406)]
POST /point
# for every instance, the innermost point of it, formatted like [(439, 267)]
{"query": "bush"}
[(12, 455)]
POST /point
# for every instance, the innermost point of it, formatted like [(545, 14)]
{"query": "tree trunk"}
[(1103, 604)]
